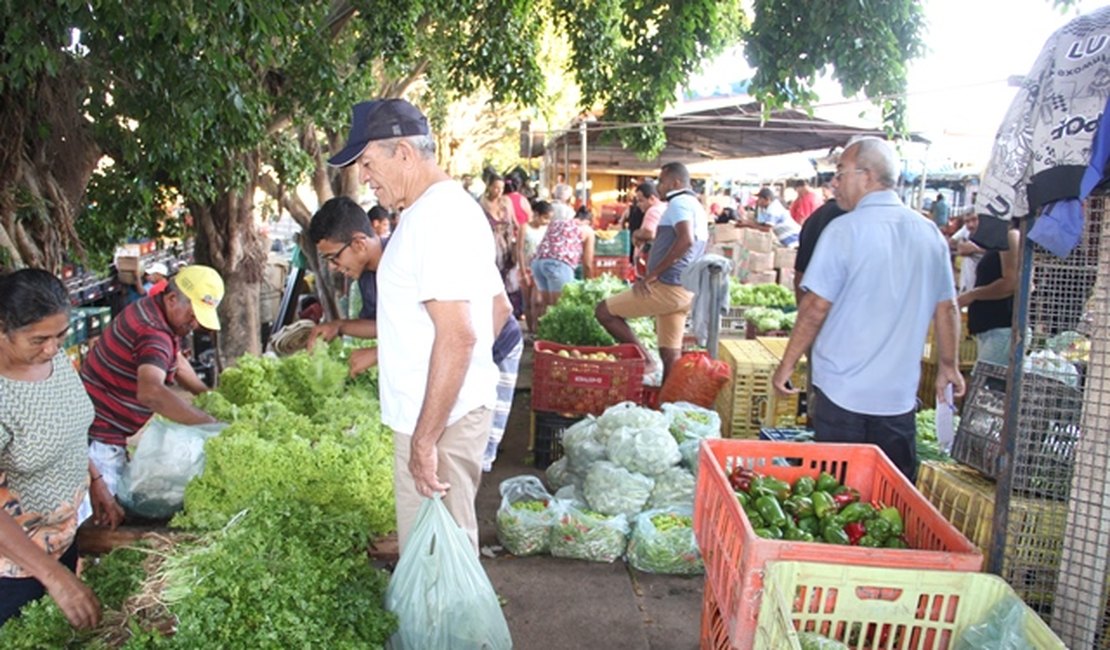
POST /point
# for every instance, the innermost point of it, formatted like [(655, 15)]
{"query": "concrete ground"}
[(558, 604)]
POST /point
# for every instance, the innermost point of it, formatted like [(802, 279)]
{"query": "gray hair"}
[(878, 156), (562, 192), (425, 144)]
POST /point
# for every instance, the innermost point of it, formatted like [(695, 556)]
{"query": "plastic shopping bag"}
[(440, 593), (524, 520), (695, 378), (169, 455)]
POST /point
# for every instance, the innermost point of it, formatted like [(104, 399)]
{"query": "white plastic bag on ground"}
[(627, 414), (556, 474), (647, 451), (663, 541), (612, 490), (524, 518), (690, 421), (581, 445), (674, 488)]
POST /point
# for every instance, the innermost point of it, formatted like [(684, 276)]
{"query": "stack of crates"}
[(749, 403), (611, 251), (967, 352)]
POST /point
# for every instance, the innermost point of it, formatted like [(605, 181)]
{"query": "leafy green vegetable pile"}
[(571, 321), (759, 295), (300, 433), (769, 319), (928, 448)]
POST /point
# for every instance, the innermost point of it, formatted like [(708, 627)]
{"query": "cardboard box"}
[(784, 258), (130, 268), (724, 233), (759, 262), (786, 278), (761, 277), (730, 251), (758, 241)]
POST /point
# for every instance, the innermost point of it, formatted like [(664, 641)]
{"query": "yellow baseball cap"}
[(204, 288)]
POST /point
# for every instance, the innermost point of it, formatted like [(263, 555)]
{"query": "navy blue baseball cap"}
[(379, 119)]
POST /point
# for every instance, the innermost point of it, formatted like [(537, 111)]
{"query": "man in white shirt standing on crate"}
[(879, 274), (435, 309)]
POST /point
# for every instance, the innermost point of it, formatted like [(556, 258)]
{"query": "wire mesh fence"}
[(1057, 544)]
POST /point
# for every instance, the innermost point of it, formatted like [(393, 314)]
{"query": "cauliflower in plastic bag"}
[(647, 451), (673, 488), (612, 489), (663, 542), (583, 534), (581, 446), (524, 519), (690, 421), (556, 474), (628, 414)]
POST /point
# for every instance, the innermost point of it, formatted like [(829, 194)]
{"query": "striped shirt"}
[(139, 336)]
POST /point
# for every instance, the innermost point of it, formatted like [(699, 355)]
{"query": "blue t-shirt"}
[(884, 269), (682, 206)]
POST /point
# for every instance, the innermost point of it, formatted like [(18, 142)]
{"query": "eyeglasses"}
[(330, 258), (840, 174)]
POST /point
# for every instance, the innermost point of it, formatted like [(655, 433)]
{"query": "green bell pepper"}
[(805, 486), (759, 488), (832, 531), (823, 504), (770, 532), (826, 482), (856, 512), (809, 525), (869, 542), (771, 511), (743, 498), (894, 518), (878, 528), (797, 535), (798, 506), (894, 542), (755, 519), (779, 488)]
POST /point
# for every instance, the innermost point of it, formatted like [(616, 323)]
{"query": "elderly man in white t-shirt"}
[(436, 308)]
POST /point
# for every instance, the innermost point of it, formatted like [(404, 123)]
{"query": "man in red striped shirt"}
[(128, 373)]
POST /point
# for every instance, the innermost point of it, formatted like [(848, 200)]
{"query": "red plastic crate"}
[(735, 557), (565, 384), (714, 636)]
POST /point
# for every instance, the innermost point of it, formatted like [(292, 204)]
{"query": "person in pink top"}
[(806, 202), (647, 197), (563, 246), (522, 211)]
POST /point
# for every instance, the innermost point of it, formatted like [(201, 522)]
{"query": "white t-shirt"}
[(967, 262), (442, 250)]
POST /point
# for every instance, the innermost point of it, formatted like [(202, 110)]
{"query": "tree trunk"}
[(228, 240)]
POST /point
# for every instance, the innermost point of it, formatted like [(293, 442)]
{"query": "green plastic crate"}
[(618, 246), (881, 609)]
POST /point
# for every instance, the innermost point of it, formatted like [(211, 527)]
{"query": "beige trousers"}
[(459, 453)]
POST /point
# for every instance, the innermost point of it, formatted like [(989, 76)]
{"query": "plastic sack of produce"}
[(663, 541), (583, 534), (674, 488), (1003, 629), (695, 378), (690, 421), (647, 451), (581, 445), (169, 455), (613, 490), (556, 474), (440, 593), (630, 415), (814, 641), (524, 519), (572, 494)]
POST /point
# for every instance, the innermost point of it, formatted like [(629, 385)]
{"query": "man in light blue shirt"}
[(879, 274)]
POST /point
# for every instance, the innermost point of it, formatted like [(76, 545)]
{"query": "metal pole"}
[(714, 312), (1010, 433), (585, 178)]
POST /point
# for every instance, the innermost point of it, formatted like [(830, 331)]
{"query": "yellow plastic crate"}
[(1034, 537), (968, 348), (776, 345), (876, 608), (749, 402)]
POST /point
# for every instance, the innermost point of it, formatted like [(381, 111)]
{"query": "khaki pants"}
[(459, 452)]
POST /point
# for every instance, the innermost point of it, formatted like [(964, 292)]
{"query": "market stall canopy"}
[(729, 132)]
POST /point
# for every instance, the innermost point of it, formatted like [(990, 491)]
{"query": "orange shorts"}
[(668, 303)]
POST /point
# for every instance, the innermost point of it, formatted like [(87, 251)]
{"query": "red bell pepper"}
[(855, 531)]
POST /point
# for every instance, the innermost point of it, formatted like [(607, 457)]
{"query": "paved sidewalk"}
[(557, 604)]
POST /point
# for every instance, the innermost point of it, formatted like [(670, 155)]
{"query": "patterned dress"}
[(44, 459)]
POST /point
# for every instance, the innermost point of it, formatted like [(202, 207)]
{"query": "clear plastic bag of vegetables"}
[(581, 446), (583, 534), (572, 494), (556, 474), (630, 415), (524, 519), (647, 451), (673, 488), (613, 490), (690, 421), (663, 541)]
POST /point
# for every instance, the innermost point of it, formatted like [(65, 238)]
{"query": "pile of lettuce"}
[(759, 295), (300, 432), (571, 321), (769, 319)]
